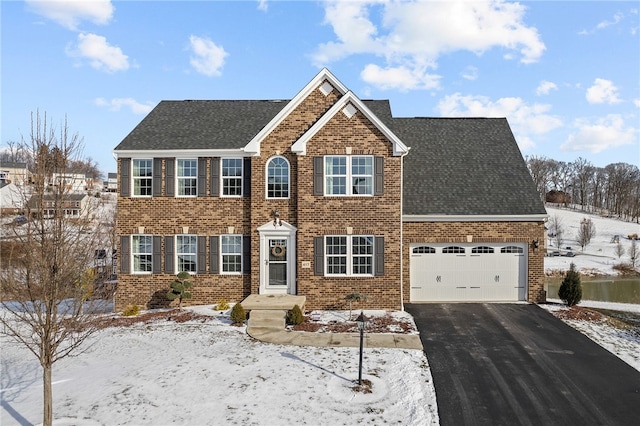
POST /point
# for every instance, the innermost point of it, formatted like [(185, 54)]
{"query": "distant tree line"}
[(611, 190), (18, 152)]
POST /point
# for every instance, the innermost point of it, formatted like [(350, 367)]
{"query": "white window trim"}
[(176, 254), (350, 256), (132, 255), (222, 177), (349, 176), (134, 178), (178, 178), (222, 271), (266, 179)]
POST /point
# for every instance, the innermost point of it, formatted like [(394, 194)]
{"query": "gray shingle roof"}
[(464, 166), (456, 166)]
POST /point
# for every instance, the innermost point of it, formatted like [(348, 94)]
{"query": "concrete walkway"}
[(267, 323)]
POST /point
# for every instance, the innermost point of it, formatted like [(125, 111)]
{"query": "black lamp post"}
[(361, 321)]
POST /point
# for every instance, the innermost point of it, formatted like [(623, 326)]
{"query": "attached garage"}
[(455, 272)]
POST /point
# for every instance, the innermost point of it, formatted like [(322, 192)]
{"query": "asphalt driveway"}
[(510, 364)]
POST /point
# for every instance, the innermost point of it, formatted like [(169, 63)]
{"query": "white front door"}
[(277, 258)]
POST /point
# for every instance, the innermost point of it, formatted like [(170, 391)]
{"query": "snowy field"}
[(209, 373), (599, 256)]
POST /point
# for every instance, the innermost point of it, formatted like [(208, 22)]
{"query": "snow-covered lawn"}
[(198, 373)]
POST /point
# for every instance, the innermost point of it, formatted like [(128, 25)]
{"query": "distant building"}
[(73, 182), (11, 201), (111, 184), (74, 206), (13, 172)]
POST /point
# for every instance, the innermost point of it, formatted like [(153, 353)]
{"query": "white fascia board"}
[(179, 153), (475, 218), (253, 146), (300, 146)]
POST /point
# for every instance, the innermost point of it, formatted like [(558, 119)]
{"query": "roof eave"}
[(475, 218)]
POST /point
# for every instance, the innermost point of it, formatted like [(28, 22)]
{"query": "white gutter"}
[(182, 153), (475, 218)]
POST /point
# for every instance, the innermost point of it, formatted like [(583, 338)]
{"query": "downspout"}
[(402, 230)]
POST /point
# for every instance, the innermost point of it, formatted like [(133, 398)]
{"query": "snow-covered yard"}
[(212, 372)]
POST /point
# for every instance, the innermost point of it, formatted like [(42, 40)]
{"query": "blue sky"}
[(565, 74)]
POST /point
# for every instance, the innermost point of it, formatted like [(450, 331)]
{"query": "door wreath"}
[(278, 251)]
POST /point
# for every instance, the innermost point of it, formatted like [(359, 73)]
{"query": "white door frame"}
[(281, 230)]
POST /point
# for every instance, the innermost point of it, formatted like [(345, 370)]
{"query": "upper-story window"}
[(278, 178), (142, 253), (348, 175), (142, 177), (232, 177), (187, 177)]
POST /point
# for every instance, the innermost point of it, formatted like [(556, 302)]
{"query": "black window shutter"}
[(202, 254), (156, 259), (379, 256), (246, 176), (125, 177), (214, 250), (125, 252), (202, 177), (318, 176), (246, 254), (215, 177), (318, 256), (169, 268), (378, 182), (157, 177), (169, 177)]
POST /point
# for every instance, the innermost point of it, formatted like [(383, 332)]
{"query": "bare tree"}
[(619, 250), (633, 253), (46, 275), (556, 230), (586, 232)]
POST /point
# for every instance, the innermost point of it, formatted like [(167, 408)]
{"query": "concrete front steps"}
[(268, 312)]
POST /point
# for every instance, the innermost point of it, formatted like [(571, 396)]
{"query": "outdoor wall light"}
[(535, 244), (362, 322), (276, 217)]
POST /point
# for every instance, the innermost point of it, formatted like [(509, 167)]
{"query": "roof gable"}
[(331, 83), (349, 104)]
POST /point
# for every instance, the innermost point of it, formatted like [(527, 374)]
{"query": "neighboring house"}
[(11, 201), (111, 184), (16, 173), (322, 196), (74, 206), (72, 182)]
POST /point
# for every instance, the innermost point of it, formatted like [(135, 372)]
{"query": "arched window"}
[(278, 178), (424, 250)]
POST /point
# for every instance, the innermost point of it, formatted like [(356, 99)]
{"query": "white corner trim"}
[(253, 146), (475, 218), (300, 146)]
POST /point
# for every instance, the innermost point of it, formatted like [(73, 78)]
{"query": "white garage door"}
[(468, 272)]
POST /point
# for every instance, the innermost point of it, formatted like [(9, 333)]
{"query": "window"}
[(511, 249), (453, 250), (187, 178), (142, 252), (187, 253), (424, 250), (232, 177), (482, 249), (142, 177), (278, 178), (349, 255), (349, 175), (231, 248)]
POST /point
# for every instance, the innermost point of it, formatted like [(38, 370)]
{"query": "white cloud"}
[(524, 119), (208, 58), (400, 78), (101, 55), (412, 35), (70, 13), (616, 19), (545, 87), (263, 5), (470, 73), (602, 91), (116, 104), (636, 102), (600, 134)]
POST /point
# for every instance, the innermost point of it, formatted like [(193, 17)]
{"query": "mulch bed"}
[(384, 324), (175, 315)]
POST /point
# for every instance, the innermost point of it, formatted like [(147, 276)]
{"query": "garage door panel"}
[(468, 272)]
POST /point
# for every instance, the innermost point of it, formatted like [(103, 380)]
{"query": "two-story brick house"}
[(325, 195)]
